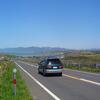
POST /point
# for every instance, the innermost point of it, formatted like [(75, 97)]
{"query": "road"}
[(73, 85)]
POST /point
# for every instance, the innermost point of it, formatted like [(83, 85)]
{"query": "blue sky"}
[(73, 24)]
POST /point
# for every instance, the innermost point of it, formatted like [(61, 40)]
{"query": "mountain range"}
[(33, 50)]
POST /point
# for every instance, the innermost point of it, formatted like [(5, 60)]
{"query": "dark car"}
[(50, 66)]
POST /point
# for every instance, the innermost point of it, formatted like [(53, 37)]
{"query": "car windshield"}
[(54, 62)]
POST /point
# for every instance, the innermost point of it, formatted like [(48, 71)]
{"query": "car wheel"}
[(38, 71), (44, 73), (60, 74)]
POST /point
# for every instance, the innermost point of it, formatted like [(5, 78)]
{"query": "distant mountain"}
[(32, 50)]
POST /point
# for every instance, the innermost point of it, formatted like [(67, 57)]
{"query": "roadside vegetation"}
[(84, 68), (84, 61), (6, 83)]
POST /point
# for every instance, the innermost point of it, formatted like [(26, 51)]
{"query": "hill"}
[(33, 50)]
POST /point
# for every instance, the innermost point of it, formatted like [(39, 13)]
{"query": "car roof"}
[(52, 59)]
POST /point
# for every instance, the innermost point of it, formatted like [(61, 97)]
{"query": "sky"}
[(73, 24)]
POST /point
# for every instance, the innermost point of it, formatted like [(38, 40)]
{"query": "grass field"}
[(6, 84), (86, 62), (86, 69)]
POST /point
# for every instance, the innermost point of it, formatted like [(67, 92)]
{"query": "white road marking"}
[(89, 81), (41, 85), (29, 64), (82, 79)]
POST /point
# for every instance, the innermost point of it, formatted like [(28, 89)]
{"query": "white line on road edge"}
[(41, 85), (81, 79), (96, 83), (29, 64)]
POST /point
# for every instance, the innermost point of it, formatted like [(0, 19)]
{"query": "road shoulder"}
[(35, 90)]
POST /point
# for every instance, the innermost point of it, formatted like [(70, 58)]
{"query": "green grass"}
[(6, 85), (86, 69), (87, 61)]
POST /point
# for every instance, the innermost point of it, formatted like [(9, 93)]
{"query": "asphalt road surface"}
[(73, 85)]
